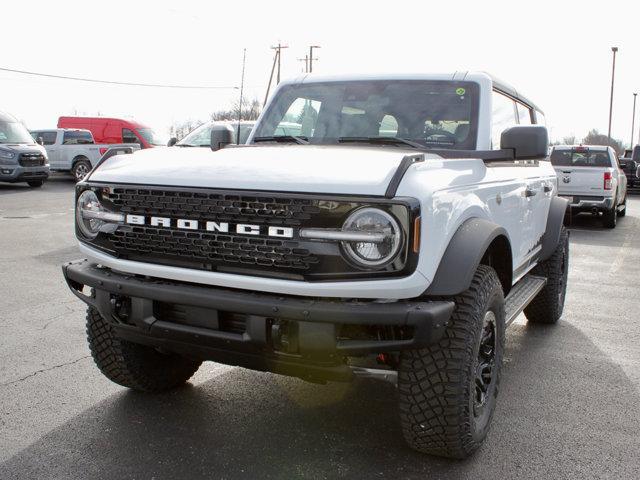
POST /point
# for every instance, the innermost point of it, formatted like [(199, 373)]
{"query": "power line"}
[(112, 82)]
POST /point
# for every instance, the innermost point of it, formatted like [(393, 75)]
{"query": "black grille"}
[(233, 250), (31, 160), (230, 207), (213, 248)]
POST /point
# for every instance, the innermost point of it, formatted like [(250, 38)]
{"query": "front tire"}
[(35, 183), (447, 391), (131, 365), (548, 305)]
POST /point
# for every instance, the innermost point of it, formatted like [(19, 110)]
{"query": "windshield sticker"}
[(460, 91)]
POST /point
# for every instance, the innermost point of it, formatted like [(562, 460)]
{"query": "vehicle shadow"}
[(56, 182), (588, 230), (244, 424)]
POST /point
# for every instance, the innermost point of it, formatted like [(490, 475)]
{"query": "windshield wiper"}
[(382, 140), (283, 138)]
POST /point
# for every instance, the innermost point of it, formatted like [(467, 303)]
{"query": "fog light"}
[(6, 171)]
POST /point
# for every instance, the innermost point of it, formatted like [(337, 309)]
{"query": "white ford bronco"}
[(395, 231)]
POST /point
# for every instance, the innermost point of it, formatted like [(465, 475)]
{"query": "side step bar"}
[(521, 295)]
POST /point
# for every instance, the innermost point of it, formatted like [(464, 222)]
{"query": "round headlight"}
[(385, 234), (88, 210)]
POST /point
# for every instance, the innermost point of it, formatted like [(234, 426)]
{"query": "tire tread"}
[(131, 365), (433, 381)]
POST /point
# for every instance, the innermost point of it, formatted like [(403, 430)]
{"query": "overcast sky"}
[(557, 53)]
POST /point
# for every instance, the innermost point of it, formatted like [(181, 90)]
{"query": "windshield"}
[(150, 136), (580, 158), (201, 136), (435, 114), (14, 132)]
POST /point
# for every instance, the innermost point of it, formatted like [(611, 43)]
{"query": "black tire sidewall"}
[(480, 425)]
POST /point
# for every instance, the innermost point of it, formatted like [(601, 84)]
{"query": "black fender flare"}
[(463, 255), (555, 220)]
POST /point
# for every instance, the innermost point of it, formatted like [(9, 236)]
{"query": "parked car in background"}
[(114, 130), (591, 179), (73, 150), (21, 158), (201, 136), (630, 163)]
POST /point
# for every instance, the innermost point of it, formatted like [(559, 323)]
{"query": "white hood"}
[(293, 168)]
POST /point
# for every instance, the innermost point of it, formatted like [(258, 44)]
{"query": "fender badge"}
[(498, 199)]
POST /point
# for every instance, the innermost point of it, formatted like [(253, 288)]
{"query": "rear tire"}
[(80, 169), (131, 365), (548, 305), (609, 218), (447, 391), (623, 212), (35, 183)]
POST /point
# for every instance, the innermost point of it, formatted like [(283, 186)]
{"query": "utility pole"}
[(244, 58), (278, 50), (311, 59), (306, 63), (613, 77), (273, 68), (633, 120)]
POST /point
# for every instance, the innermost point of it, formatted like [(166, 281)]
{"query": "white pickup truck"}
[(396, 234), (591, 179), (74, 150)]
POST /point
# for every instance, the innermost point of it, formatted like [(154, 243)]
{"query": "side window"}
[(129, 137), (540, 118), (524, 114), (503, 116), (48, 138), (300, 119), (77, 137), (388, 126)]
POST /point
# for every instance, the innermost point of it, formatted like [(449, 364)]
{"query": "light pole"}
[(633, 120), (613, 77)]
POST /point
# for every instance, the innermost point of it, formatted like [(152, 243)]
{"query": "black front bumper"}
[(320, 349)]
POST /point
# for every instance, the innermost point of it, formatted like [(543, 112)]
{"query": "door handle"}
[(547, 188), (528, 192)]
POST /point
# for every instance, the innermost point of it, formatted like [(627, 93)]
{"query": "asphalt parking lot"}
[(568, 407)]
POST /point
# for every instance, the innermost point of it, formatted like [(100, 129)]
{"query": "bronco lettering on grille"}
[(223, 227)]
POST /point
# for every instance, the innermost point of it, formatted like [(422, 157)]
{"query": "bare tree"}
[(569, 140), (596, 138), (250, 111)]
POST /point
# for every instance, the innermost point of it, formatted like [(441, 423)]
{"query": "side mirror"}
[(528, 142), (40, 141), (172, 141), (221, 135)]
